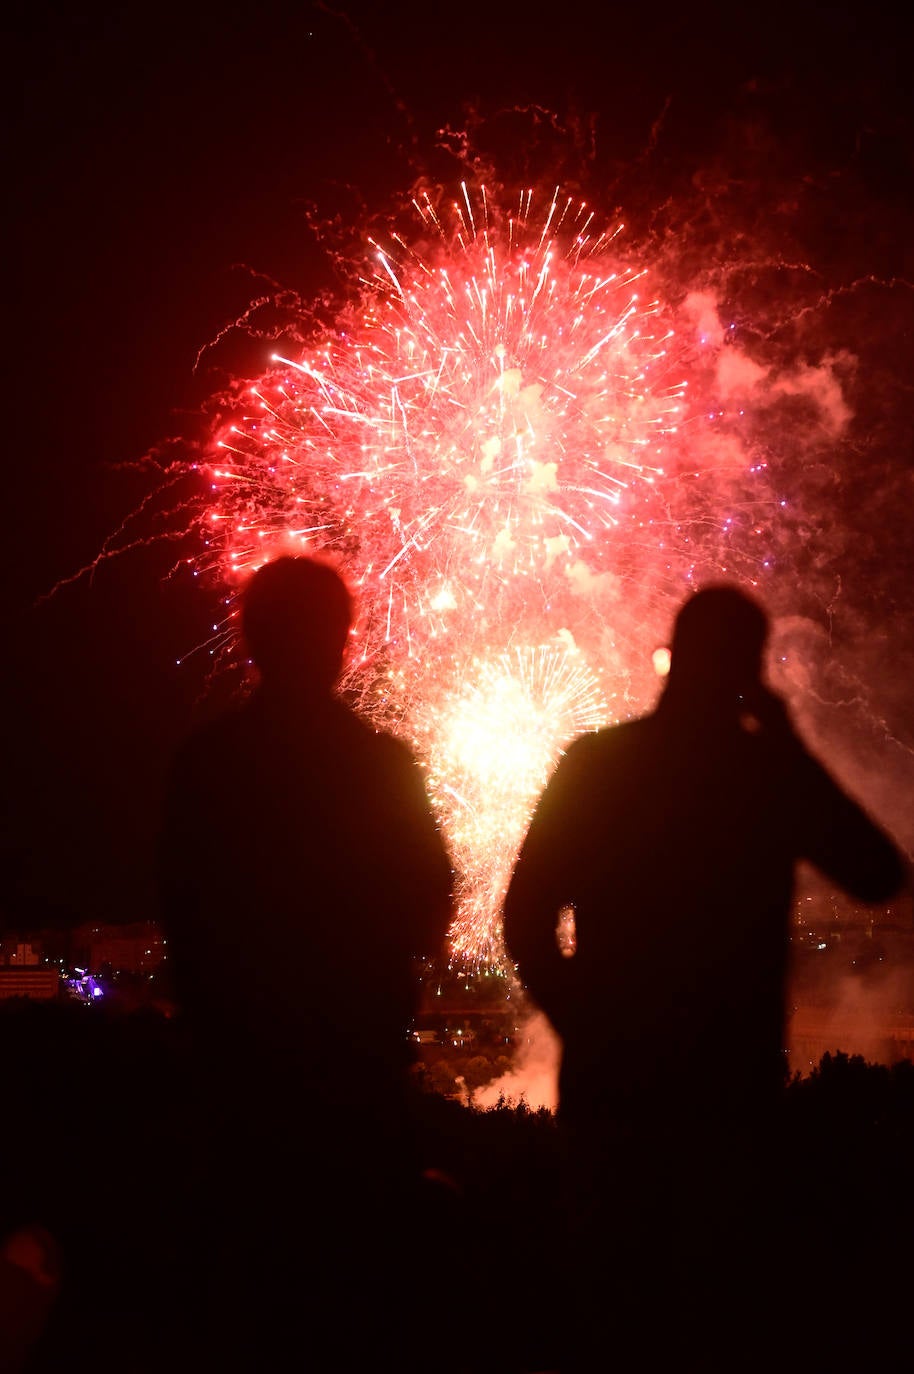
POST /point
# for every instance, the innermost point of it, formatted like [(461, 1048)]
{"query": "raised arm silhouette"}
[(302, 877), (675, 839)]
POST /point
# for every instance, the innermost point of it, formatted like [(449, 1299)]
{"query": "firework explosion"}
[(492, 741), (512, 447)]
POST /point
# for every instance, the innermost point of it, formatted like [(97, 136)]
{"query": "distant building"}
[(39, 983), (21, 955), (137, 947)]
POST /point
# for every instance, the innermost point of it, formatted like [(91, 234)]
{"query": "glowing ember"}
[(494, 441)]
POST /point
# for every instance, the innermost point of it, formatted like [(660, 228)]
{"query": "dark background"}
[(164, 166)]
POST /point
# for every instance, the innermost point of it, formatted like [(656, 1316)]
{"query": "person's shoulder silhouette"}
[(302, 867), (675, 838)]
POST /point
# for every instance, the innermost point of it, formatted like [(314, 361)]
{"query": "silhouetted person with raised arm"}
[(302, 876), (675, 838)]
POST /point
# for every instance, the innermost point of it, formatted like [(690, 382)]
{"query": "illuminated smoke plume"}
[(523, 457)]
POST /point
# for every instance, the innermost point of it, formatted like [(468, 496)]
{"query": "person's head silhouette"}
[(719, 639), (296, 614)]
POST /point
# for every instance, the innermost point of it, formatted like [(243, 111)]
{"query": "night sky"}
[(164, 168)]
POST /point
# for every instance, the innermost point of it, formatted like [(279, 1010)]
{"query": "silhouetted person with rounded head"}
[(675, 838), (302, 876)]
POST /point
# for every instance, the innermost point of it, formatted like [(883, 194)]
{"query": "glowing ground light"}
[(493, 441)]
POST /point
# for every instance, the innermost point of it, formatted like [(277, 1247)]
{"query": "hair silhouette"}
[(719, 637), (296, 614)]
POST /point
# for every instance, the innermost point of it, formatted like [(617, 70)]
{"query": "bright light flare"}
[(495, 740)]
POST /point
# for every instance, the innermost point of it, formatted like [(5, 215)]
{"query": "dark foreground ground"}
[(100, 1177)]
